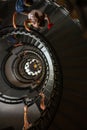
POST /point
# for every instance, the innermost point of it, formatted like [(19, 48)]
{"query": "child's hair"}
[(28, 2), (41, 20)]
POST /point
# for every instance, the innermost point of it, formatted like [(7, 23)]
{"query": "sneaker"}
[(77, 21), (18, 44), (50, 1)]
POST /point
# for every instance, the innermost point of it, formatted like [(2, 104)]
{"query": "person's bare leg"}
[(42, 103), (27, 125)]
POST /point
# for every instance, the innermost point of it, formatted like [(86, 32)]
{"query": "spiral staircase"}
[(61, 57)]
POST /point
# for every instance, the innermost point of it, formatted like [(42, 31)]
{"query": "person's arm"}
[(14, 20), (24, 13), (42, 103), (26, 22), (48, 21)]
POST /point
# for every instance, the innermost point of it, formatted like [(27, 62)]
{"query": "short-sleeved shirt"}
[(20, 7)]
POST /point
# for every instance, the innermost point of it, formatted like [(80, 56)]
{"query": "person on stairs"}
[(23, 7), (37, 20)]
